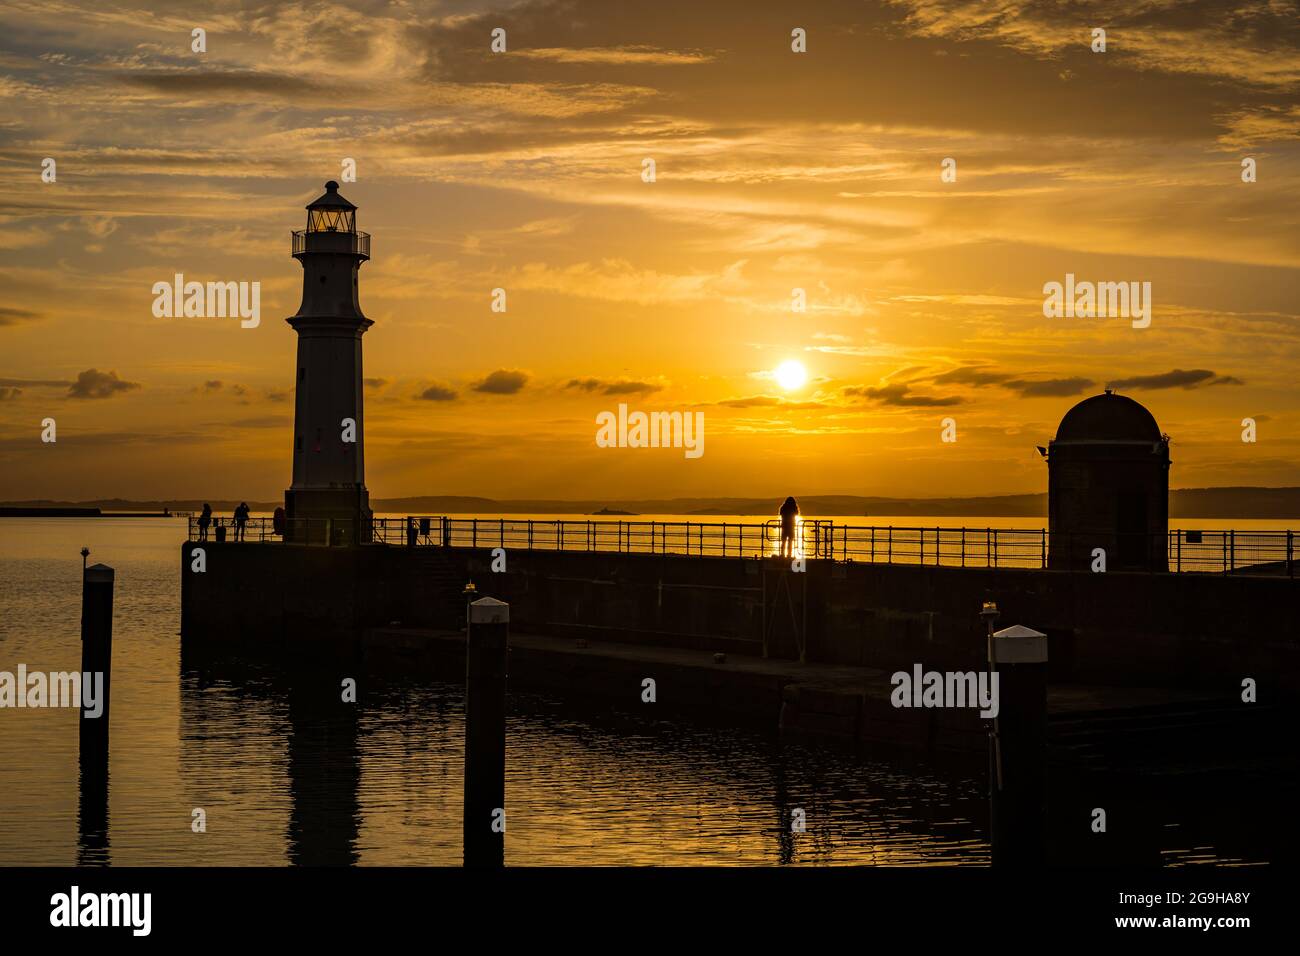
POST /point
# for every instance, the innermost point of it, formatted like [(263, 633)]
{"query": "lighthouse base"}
[(339, 517)]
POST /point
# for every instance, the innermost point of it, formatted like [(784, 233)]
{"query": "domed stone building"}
[(1108, 487)]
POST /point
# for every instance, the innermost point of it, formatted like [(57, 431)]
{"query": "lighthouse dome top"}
[(1108, 417), (331, 198), (331, 212)]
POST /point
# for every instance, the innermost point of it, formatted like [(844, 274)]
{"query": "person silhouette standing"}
[(205, 519), (241, 517), (789, 512)]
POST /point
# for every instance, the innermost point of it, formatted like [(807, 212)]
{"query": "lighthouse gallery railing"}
[(355, 242)]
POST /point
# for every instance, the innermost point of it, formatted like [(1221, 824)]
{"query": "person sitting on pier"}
[(241, 517), (789, 512), (205, 519)]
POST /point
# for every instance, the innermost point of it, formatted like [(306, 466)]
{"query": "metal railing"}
[(355, 242), (1178, 551), (322, 532)]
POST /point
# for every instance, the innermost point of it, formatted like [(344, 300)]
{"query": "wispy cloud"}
[(1177, 378)]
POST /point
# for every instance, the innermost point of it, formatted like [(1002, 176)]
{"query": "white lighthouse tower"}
[(329, 465)]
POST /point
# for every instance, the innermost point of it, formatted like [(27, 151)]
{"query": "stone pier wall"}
[(1135, 628)]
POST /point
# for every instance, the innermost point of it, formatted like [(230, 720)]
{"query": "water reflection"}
[(324, 774), (380, 782), (92, 805)]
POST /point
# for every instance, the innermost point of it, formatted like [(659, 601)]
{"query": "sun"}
[(790, 375)]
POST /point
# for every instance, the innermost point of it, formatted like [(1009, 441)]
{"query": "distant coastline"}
[(58, 511), (1235, 502)]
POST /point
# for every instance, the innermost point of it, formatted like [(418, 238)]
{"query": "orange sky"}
[(775, 170)]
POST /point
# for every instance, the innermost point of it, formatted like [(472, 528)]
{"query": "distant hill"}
[(1240, 502), (219, 505)]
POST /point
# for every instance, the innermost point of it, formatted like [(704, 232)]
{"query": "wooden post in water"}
[(486, 650), (1018, 655), (96, 647), (96, 666)]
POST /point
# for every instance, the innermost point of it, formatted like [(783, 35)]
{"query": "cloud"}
[(980, 376), (501, 382), (1247, 48), (9, 393), (234, 82), (215, 385), (1177, 378), (613, 387), (438, 393), (35, 383), (767, 401), (374, 382), (614, 55), (277, 394), (620, 281), (264, 421), (899, 396), (92, 383), (1051, 387), (11, 316)]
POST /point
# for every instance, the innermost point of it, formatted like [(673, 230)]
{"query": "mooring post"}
[(1018, 656), (486, 649), (96, 648), (96, 667)]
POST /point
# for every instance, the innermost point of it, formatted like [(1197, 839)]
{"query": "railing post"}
[(503, 532), (530, 534), (889, 554), (963, 547), (559, 535), (1044, 547), (1290, 571), (1180, 550), (938, 549), (1232, 550)]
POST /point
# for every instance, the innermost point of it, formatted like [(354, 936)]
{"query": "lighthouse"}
[(328, 501)]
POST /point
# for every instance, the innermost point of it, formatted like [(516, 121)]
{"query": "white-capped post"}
[(1018, 658), (486, 650)]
